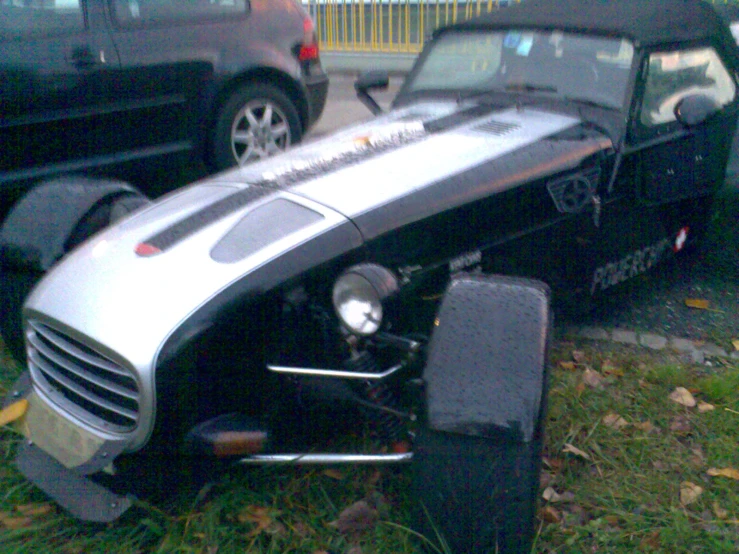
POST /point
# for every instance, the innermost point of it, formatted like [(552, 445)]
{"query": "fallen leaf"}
[(263, 519), (735, 344), (592, 378), (550, 514), (580, 388), (681, 425), (719, 512), (729, 472), (569, 366), (545, 479), (550, 495), (689, 492), (704, 407), (357, 518), (555, 464), (614, 421), (574, 450), (15, 522), (651, 541), (334, 474), (579, 356), (646, 426), (608, 368), (697, 303), (14, 411), (35, 510), (682, 396)]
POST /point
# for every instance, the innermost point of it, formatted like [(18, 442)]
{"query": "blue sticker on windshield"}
[(511, 40), (524, 46)]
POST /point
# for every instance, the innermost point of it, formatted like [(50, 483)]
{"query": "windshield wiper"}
[(529, 87)]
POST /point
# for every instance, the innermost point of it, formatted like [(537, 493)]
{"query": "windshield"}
[(575, 66)]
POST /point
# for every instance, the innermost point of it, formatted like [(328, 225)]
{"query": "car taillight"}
[(309, 47)]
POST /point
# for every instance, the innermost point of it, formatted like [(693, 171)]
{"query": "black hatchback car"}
[(111, 88), (381, 278)]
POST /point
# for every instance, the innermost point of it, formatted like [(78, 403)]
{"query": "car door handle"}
[(82, 57)]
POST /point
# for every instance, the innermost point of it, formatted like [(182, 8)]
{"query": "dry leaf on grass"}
[(15, 522), (550, 495), (608, 368), (569, 366), (682, 396), (614, 421), (334, 474), (704, 407), (729, 472), (574, 450), (697, 303), (550, 514), (680, 425), (719, 512), (593, 379), (735, 344), (263, 519), (646, 426), (356, 519), (35, 510), (689, 492), (579, 356)]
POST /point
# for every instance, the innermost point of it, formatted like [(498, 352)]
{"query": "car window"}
[(138, 12), (21, 18), (673, 75)]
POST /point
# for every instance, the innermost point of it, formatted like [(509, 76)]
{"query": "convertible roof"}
[(643, 21)]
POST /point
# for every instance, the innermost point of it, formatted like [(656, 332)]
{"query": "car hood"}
[(126, 290)]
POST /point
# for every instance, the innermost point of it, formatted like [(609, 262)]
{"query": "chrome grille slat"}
[(80, 380), (54, 337), (79, 372), (49, 371)]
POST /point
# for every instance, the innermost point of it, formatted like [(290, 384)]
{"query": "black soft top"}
[(645, 22)]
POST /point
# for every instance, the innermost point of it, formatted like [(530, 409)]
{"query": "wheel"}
[(256, 122), (484, 489), (108, 202), (477, 454)]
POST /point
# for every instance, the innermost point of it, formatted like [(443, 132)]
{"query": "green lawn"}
[(626, 469)]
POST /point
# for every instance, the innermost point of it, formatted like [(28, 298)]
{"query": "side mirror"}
[(694, 109), (371, 80)]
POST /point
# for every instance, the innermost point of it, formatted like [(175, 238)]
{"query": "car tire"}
[(485, 489), (16, 283), (256, 122), (478, 450)]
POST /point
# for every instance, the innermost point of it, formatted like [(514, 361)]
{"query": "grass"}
[(625, 497)]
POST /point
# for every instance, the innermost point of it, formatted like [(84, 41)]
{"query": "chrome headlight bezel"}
[(358, 297)]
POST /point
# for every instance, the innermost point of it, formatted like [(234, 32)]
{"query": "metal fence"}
[(388, 26)]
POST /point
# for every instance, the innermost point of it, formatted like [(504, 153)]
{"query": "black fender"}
[(36, 232), (478, 452), (45, 224)]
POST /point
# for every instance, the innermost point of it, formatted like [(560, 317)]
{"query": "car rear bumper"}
[(317, 88)]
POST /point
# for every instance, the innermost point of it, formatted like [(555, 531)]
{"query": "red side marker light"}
[(145, 250), (680, 239)]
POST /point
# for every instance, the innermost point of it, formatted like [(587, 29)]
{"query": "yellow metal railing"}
[(388, 25)]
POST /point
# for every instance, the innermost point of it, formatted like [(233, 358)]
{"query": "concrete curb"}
[(698, 350)]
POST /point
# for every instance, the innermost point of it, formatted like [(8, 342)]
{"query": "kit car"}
[(393, 277)]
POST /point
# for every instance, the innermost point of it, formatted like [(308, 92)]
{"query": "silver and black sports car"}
[(395, 275)]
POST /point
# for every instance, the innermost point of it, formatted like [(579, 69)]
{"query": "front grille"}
[(82, 381)]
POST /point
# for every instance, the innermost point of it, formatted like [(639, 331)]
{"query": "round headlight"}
[(358, 296)]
